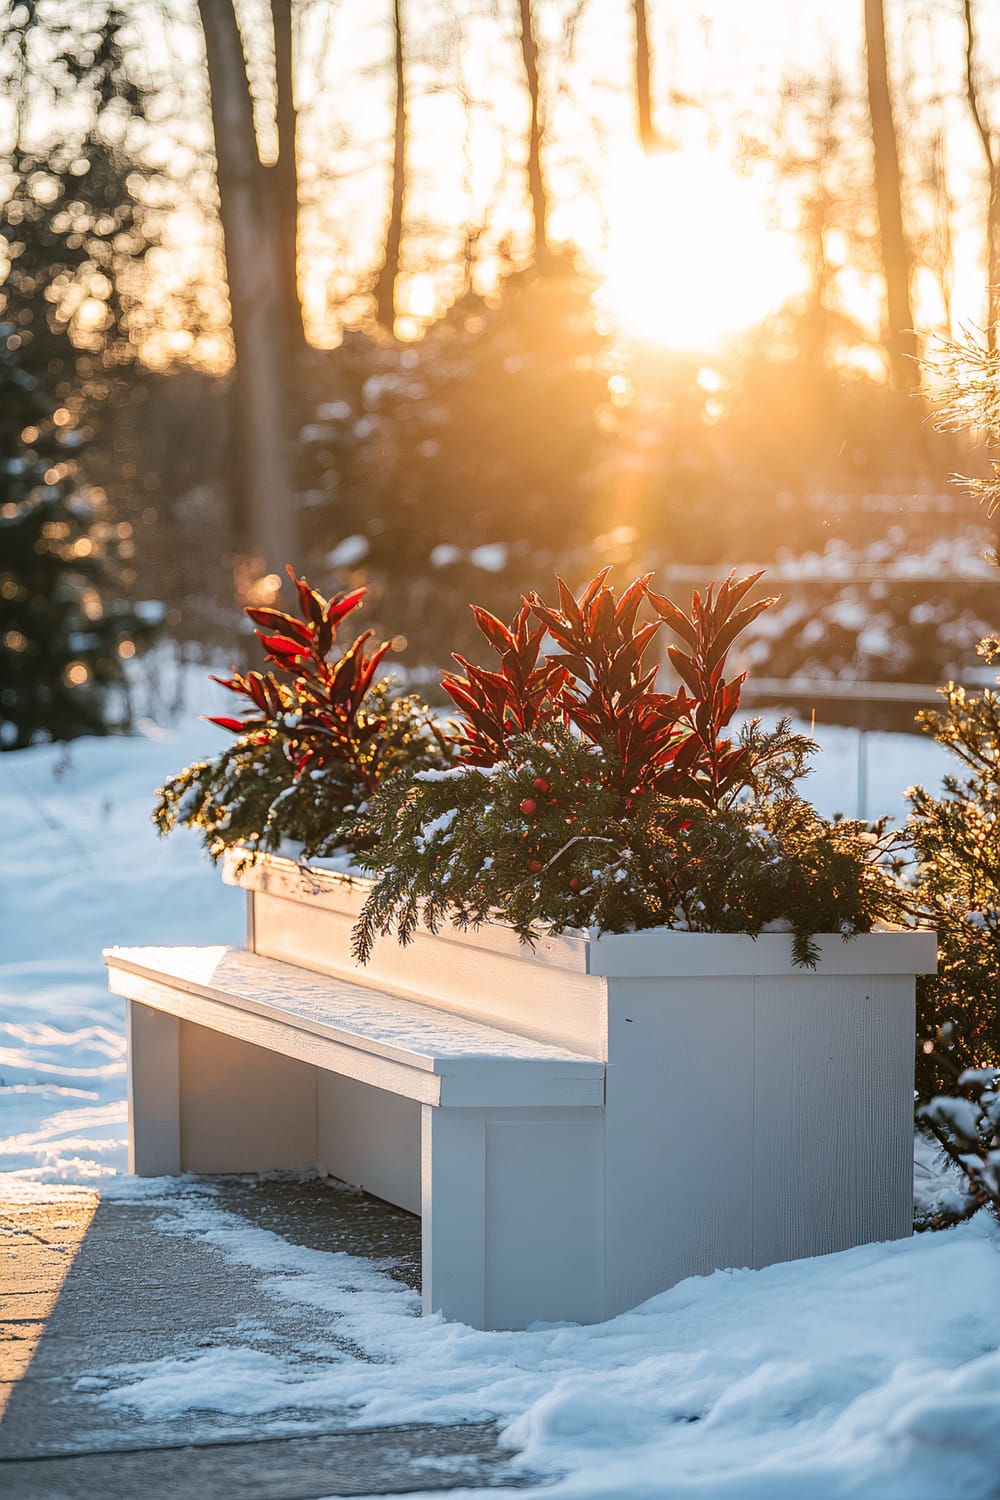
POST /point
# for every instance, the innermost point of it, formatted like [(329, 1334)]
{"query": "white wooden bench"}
[(580, 1124), (240, 1063)]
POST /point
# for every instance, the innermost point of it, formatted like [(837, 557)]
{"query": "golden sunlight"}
[(691, 258)]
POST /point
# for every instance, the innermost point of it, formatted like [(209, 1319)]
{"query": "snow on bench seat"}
[(400, 1045)]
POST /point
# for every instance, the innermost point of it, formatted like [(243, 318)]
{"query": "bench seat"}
[(401, 1045)]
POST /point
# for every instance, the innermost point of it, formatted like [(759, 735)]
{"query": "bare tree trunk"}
[(992, 177), (643, 80), (385, 286), (284, 176), (901, 343), (536, 182), (269, 531)]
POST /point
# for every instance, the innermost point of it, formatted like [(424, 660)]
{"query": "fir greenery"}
[(956, 836), (72, 235), (459, 846), (957, 839), (966, 1125)]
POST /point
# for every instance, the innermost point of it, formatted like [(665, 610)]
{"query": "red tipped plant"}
[(609, 693), (515, 699), (316, 711), (711, 765), (668, 743)]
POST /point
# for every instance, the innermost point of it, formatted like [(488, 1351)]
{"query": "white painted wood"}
[(276, 1035), (513, 1216), (647, 955), (833, 1114), (754, 1111), (510, 990), (545, 1217), (328, 890), (154, 1129), (370, 1138), (679, 1125), (393, 1043), (244, 1108), (453, 1213)]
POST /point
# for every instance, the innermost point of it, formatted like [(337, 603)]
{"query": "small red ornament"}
[(540, 785), (529, 807), (534, 865)]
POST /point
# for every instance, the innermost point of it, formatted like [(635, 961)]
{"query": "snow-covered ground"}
[(874, 1373)]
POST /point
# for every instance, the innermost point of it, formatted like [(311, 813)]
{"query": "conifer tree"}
[(956, 835), (64, 629)]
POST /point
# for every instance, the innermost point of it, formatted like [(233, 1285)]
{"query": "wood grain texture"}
[(453, 1213), (545, 1254), (832, 1112), (679, 1132)]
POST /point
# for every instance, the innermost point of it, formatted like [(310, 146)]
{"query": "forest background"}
[(437, 298)]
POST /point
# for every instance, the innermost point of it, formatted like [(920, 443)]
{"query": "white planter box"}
[(754, 1111)]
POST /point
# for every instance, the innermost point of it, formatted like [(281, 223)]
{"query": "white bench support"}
[(154, 1097), (513, 1215)]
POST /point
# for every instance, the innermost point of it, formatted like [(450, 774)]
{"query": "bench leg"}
[(453, 1212), (154, 1114), (512, 1203)]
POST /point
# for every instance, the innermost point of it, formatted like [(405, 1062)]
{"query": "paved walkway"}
[(86, 1284)]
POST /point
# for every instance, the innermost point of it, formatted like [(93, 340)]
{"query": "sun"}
[(692, 259)]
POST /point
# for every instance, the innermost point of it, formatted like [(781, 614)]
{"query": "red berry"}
[(574, 884), (534, 865), (540, 785), (529, 807)]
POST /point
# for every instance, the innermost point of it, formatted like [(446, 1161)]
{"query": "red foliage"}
[(714, 765), (609, 694), (670, 743), (516, 699), (316, 711)]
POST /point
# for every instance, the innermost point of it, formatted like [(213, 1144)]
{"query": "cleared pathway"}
[(86, 1284)]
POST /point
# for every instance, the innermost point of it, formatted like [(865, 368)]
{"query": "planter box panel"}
[(543, 1002), (326, 889), (647, 955), (679, 1144), (832, 1113), (544, 1218), (753, 1111)]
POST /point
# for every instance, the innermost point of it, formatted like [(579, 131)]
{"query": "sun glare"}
[(691, 258)]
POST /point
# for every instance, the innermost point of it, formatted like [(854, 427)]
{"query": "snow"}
[(444, 555), (83, 869), (491, 557), (353, 549), (874, 1373)]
